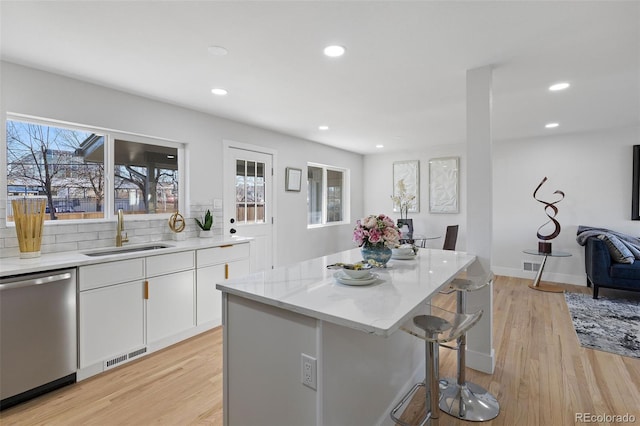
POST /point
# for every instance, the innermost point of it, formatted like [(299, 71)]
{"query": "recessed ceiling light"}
[(323, 127), (334, 51), (551, 125), (559, 86), (219, 91), (217, 50), (379, 146)]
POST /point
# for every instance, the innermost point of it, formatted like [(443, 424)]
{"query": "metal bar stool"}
[(458, 397), (435, 327)]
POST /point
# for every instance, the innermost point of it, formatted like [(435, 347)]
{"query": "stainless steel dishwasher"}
[(38, 343)]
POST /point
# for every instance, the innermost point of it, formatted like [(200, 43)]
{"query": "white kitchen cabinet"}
[(215, 265), (111, 322), (111, 311), (170, 304), (131, 307)]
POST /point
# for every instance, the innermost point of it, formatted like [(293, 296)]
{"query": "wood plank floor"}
[(543, 377)]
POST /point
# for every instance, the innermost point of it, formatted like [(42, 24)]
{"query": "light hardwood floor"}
[(542, 377)]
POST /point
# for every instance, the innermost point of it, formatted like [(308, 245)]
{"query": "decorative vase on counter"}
[(379, 253)]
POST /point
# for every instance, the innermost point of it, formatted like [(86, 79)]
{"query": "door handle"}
[(232, 231), (146, 289)]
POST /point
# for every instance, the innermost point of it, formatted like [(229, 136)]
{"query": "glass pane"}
[(63, 166), (145, 178), (260, 213), (334, 196), (314, 195), (251, 182)]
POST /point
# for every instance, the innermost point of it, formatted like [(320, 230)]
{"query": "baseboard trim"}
[(553, 277), (480, 361)]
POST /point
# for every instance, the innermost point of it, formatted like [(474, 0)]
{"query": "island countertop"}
[(309, 288)]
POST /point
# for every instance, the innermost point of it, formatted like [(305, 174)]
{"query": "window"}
[(45, 161), (326, 195), (145, 177), (250, 191), (67, 167)]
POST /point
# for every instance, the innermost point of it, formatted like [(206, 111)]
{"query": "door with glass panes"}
[(247, 202)]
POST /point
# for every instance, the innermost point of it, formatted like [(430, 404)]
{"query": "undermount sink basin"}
[(130, 249)]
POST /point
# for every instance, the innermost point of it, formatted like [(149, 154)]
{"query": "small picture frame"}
[(293, 179)]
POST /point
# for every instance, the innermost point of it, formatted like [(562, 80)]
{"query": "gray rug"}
[(611, 325)]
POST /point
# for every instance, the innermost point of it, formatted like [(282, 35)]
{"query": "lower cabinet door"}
[(170, 304), (209, 307), (111, 321)]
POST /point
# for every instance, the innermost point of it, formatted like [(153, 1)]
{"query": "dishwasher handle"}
[(36, 281)]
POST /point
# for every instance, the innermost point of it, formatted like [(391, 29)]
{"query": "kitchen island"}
[(357, 362)]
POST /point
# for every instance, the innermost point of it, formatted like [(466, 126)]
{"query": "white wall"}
[(594, 170), (378, 187), (38, 93)]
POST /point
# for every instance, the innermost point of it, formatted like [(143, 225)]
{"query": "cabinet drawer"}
[(222, 254), (172, 262), (104, 274)]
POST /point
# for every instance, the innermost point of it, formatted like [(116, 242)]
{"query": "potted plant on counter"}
[(205, 225)]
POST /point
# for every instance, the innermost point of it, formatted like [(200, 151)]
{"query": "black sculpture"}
[(544, 246)]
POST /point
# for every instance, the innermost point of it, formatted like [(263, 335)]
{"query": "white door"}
[(248, 200)]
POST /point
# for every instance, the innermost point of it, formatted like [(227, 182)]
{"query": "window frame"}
[(110, 136), (346, 198)]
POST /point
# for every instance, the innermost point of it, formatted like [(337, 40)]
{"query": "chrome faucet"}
[(120, 230)]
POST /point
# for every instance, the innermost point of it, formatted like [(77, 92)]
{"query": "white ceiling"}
[(401, 82)]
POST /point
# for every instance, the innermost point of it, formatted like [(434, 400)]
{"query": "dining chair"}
[(450, 238)]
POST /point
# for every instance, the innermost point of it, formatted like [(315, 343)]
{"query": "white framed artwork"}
[(444, 185)]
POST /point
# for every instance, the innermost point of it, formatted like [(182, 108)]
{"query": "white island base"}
[(364, 362)]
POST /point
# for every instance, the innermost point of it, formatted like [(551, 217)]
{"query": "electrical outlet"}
[(309, 375)]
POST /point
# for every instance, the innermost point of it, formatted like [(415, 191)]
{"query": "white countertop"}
[(381, 308), (71, 259)]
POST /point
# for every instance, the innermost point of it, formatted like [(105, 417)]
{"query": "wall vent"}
[(110, 363), (530, 266), (138, 352)]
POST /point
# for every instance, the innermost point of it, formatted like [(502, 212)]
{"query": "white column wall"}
[(480, 353)]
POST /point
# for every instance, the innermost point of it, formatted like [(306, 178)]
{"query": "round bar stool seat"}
[(435, 326), (458, 397)]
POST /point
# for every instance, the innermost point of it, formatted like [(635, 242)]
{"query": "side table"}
[(536, 285)]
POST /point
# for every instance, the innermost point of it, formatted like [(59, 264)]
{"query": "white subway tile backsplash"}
[(79, 236), (59, 237)]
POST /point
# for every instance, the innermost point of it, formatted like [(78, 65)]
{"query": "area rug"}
[(611, 325)]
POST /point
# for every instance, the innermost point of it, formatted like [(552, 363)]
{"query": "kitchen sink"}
[(122, 250)]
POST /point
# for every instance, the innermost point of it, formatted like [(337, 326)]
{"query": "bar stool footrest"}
[(469, 402), (403, 401)]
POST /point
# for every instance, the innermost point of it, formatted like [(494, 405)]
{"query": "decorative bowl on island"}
[(357, 271)]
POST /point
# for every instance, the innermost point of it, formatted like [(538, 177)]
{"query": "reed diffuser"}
[(28, 214)]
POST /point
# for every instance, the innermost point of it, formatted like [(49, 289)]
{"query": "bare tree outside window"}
[(51, 162), (146, 178)]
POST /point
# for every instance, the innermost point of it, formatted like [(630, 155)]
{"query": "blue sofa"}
[(603, 272)]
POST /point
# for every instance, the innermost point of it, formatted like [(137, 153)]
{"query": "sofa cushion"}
[(626, 271), (619, 252)]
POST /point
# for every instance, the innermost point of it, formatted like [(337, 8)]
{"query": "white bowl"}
[(402, 251), (363, 270)]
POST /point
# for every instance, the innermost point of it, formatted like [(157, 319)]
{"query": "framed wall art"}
[(444, 185), (293, 179), (406, 185)]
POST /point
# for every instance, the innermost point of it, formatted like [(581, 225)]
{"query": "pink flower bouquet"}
[(376, 231)]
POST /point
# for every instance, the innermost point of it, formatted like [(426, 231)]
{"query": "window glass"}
[(250, 192), (334, 195), (145, 178), (62, 165), (314, 195), (326, 191)]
